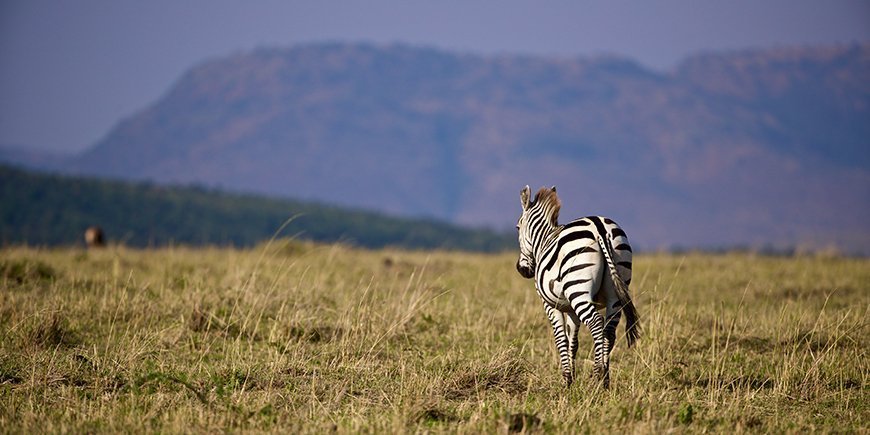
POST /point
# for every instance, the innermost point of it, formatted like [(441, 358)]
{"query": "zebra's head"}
[(539, 217)]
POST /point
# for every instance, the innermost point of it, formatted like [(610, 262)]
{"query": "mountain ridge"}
[(745, 147)]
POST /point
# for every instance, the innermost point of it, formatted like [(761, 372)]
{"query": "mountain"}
[(46, 209), (746, 148)]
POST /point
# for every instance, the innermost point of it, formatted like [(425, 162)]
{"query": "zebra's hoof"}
[(601, 375), (568, 378)]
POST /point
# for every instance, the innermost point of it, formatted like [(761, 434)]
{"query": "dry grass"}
[(310, 339)]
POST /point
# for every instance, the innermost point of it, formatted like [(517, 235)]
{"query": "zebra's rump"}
[(616, 241), (577, 247)]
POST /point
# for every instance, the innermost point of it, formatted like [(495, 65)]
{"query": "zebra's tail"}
[(632, 326)]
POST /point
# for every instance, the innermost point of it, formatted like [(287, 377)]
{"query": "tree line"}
[(51, 210)]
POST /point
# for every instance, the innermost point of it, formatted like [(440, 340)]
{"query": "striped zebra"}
[(578, 267)]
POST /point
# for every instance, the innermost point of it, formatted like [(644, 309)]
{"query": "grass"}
[(306, 338)]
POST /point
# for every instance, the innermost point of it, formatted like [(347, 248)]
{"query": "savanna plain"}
[(296, 337)]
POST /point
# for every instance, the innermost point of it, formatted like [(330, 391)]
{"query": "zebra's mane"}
[(550, 202)]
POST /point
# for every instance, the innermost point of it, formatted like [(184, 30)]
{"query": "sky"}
[(70, 70)]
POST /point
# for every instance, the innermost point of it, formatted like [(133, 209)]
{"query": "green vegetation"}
[(43, 209), (297, 337)]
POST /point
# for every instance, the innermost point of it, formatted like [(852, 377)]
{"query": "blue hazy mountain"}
[(759, 147)]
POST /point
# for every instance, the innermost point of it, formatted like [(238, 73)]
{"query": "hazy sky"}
[(69, 70)]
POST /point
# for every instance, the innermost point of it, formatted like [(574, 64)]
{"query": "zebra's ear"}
[(553, 188), (525, 194)]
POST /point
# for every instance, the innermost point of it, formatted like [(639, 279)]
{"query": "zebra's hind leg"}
[(613, 316), (595, 322)]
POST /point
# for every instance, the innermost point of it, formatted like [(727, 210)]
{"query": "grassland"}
[(317, 338)]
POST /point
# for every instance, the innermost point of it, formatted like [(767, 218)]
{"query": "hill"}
[(763, 147), (50, 210)]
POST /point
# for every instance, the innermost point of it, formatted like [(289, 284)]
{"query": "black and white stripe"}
[(577, 267)]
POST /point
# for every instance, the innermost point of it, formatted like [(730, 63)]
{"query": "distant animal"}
[(577, 268), (94, 237)]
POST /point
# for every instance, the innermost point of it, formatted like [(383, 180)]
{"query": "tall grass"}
[(297, 337)]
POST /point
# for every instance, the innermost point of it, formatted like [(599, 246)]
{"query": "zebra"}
[(577, 268)]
